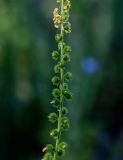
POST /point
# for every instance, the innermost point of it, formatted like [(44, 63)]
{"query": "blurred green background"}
[(96, 112)]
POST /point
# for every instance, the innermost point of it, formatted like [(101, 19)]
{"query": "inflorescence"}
[(61, 91)]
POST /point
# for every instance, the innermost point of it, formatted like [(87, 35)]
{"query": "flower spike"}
[(61, 92)]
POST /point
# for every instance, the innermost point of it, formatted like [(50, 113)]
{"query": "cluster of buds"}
[(61, 91), (67, 6), (59, 19)]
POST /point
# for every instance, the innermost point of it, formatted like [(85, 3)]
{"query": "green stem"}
[(61, 96)]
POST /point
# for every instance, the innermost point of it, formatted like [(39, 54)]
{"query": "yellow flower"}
[(58, 1), (57, 18), (67, 5)]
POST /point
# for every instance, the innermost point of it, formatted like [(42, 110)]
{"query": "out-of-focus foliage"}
[(26, 40)]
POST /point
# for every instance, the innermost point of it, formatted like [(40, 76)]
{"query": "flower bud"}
[(66, 58), (55, 55), (58, 1), (57, 68), (55, 80), (61, 64), (55, 102), (62, 148), (48, 156), (56, 92), (65, 17), (63, 145), (64, 111), (67, 27), (54, 133), (68, 76), (60, 152), (65, 86), (58, 37), (65, 123), (53, 117), (57, 18), (60, 45), (67, 48), (67, 6), (67, 94)]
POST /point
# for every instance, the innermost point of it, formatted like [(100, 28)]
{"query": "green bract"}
[(62, 92)]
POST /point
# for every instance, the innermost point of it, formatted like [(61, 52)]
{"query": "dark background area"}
[(26, 69)]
